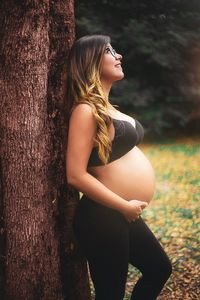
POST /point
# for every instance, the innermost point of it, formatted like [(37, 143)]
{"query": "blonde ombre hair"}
[(84, 86)]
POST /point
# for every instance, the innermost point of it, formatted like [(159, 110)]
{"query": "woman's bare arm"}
[(82, 130)]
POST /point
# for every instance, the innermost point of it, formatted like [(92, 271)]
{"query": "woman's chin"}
[(120, 76), (114, 77)]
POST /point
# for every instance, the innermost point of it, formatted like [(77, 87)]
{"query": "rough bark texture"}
[(35, 37), (73, 267), (32, 269), (2, 241)]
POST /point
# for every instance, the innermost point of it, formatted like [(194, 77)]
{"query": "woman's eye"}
[(111, 51)]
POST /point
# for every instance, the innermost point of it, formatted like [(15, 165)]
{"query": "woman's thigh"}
[(146, 253), (103, 234)]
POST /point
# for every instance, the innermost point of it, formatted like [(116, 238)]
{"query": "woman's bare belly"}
[(130, 176)]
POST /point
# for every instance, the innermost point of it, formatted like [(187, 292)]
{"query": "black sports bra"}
[(126, 137)]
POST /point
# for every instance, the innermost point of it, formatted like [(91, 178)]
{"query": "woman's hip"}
[(94, 218)]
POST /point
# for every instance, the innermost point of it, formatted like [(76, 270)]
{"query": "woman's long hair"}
[(84, 86)]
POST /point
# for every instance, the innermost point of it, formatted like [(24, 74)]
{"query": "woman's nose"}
[(119, 56)]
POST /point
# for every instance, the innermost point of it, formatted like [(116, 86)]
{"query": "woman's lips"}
[(118, 66)]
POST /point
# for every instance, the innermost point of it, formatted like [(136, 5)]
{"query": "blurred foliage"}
[(160, 44), (174, 215)]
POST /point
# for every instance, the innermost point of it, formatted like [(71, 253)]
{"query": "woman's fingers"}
[(132, 219), (135, 210), (143, 205)]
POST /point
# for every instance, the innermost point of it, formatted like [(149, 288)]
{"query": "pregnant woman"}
[(115, 177)]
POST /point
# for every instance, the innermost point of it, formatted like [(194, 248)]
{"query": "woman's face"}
[(111, 69)]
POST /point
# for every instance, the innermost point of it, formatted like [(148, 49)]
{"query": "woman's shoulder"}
[(82, 112), (82, 107)]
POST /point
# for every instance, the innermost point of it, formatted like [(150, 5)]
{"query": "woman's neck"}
[(106, 87)]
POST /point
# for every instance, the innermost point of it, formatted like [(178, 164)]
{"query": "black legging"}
[(110, 243)]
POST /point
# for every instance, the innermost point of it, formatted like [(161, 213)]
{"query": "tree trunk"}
[(36, 36), (2, 242), (73, 267)]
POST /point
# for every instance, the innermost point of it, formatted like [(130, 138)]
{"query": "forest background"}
[(160, 44)]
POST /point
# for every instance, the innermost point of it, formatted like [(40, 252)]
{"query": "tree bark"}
[(2, 241), (75, 279), (35, 38)]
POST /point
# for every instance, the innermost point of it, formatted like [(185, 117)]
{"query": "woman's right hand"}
[(134, 209)]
